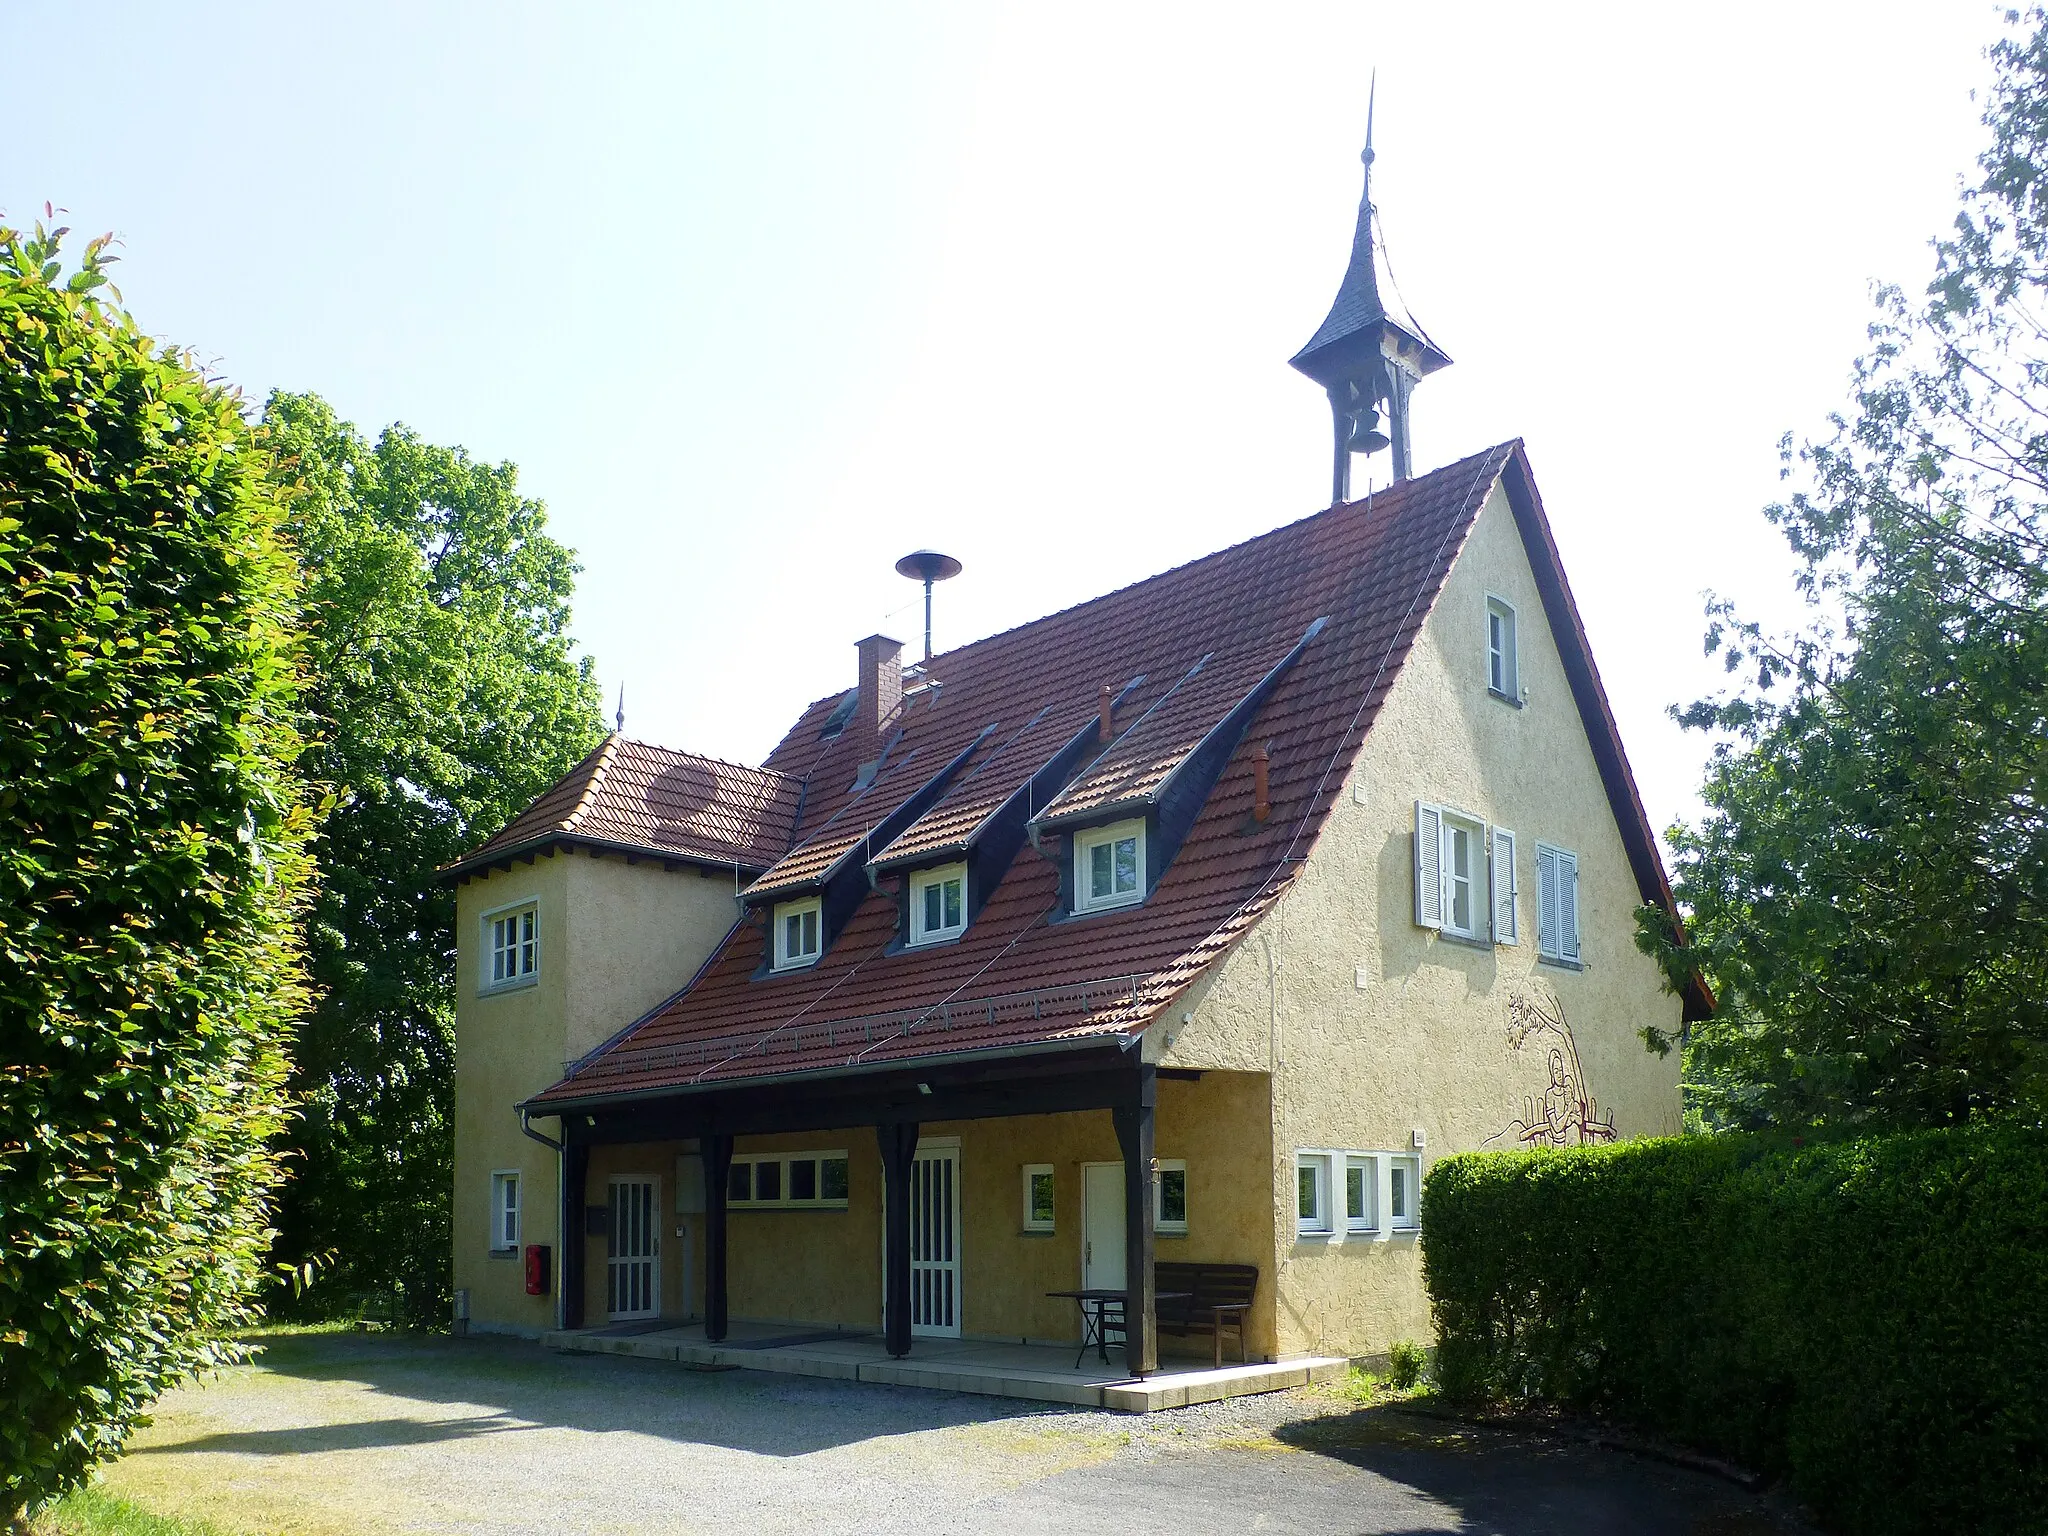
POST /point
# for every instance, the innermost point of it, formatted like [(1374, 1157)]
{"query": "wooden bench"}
[(1218, 1296)]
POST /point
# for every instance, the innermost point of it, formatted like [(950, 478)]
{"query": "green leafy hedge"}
[(1867, 1318), (152, 865)]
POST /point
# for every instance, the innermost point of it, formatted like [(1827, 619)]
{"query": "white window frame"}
[(1319, 1224), (1506, 682), (1558, 940), (1085, 842), (1367, 1165), (526, 951), (784, 910), (1032, 1221), (1162, 1167), (1411, 1163), (923, 880), (785, 1201), (1474, 831), (500, 1179)]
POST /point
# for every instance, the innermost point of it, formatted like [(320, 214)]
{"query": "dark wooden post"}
[(575, 1175), (717, 1168), (899, 1149), (1134, 1135)]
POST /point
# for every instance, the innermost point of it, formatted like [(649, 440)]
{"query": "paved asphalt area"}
[(346, 1434)]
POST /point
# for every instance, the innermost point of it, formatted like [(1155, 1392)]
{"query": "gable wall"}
[(615, 939), (1374, 1027)]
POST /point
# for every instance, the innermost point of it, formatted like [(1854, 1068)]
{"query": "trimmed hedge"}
[(1868, 1319)]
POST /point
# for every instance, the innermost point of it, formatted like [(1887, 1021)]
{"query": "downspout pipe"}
[(561, 1206)]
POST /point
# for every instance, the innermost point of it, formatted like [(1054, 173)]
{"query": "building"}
[(1187, 924)]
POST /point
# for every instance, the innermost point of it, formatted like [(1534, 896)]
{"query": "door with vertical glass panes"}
[(935, 1242), (633, 1251)]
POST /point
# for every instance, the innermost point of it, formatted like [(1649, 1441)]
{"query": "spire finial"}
[(1372, 92), (620, 717)]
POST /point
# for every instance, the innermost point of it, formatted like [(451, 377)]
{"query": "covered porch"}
[(1039, 1372), (902, 1224)]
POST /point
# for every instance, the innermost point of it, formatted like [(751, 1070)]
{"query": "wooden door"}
[(633, 1251)]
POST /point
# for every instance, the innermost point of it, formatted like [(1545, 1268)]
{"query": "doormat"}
[(788, 1340)]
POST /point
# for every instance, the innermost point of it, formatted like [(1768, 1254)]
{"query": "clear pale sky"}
[(760, 297)]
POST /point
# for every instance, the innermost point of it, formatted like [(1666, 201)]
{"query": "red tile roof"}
[(638, 797), (1018, 978), (1023, 976)]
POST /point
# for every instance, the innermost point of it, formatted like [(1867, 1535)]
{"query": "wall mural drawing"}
[(1563, 1113)]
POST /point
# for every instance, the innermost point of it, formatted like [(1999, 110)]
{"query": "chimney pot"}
[(881, 688), (1262, 801)]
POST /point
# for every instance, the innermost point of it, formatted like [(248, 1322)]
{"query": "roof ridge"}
[(605, 754), (1186, 565), (703, 757)]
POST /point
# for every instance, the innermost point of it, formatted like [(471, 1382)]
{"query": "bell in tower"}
[(1367, 361)]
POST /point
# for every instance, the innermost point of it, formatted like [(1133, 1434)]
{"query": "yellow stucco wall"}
[(614, 940), (1375, 1028), (823, 1267)]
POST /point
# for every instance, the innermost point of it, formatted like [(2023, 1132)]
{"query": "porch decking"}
[(1043, 1372)]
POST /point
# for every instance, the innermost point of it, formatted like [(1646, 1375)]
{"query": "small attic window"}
[(1503, 676), (797, 932), (841, 713), (1109, 866), (938, 903)]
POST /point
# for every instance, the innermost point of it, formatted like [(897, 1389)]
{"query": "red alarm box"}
[(537, 1269)]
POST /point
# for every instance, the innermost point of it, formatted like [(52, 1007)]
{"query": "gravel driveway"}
[(346, 1434)]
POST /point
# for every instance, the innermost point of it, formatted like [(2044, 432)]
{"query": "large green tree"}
[(152, 864), (1868, 891), (443, 696)]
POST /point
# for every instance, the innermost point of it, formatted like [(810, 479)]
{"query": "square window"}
[(1311, 1193), (1502, 675), (796, 932), (1172, 1204), (1109, 866), (767, 1181), (1361, 1194), (803, 1179), (504, 1211), (512, 940), (938, 903), (832, 1178), (1038, 1206)]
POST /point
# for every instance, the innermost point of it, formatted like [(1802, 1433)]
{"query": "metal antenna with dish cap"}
[(928, 566)]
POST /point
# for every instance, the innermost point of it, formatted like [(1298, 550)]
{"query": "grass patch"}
[(95, 1512)]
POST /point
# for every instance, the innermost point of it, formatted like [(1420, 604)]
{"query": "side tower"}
[(1366, 360)]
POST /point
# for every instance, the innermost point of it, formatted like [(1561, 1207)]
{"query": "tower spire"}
[(1366, 359)]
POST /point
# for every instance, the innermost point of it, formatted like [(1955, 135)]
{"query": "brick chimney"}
[(881, 690)]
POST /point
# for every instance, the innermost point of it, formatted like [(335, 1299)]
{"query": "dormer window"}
[(938, 903), (1109, 866), (797, 932)]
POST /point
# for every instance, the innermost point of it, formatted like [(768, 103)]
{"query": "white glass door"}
[(633, 1251), (935, 1242)]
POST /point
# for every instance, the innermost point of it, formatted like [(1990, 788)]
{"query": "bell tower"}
[(1367, 361)]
